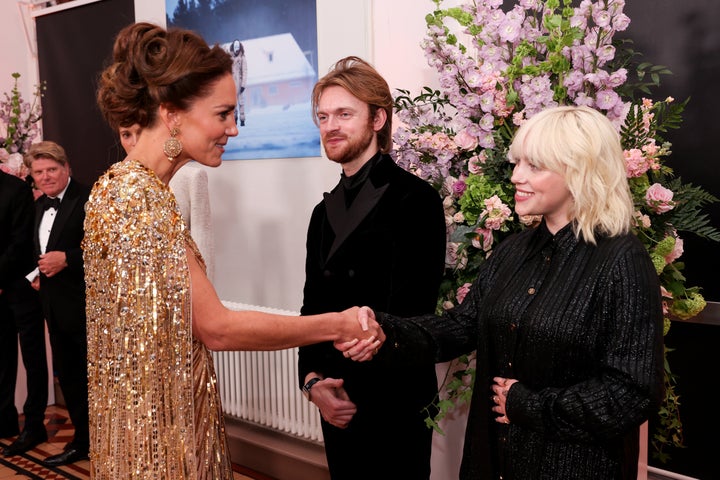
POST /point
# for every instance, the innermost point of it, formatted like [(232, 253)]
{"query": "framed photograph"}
[(274, 51)]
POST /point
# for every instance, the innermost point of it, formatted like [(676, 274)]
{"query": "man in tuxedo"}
[(21, 318), (59, 218), (377, 239)]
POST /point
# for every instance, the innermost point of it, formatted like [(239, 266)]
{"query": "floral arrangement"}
[(19, 126), (535, 55)]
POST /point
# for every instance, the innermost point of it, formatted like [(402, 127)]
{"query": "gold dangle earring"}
[(172, 146)]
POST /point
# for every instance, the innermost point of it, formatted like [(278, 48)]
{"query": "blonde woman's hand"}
[(500, 388)]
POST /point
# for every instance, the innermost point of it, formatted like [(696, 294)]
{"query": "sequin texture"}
[(155, 412)]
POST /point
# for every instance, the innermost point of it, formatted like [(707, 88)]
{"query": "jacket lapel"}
[(39, 212), (344, 222), (63, 214)]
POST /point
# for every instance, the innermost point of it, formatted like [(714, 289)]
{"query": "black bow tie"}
[(51, 203)]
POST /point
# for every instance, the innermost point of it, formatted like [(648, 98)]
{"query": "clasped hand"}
[(51, 263), (501, 387), (367, 342)]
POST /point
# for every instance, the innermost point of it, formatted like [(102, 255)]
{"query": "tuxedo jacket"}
[(16, 214), (387, 252), (63, 295)]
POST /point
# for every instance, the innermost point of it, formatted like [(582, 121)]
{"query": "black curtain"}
[(684, 37), (74, 45)]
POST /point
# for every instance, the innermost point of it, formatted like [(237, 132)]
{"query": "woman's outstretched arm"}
[(220, 328)]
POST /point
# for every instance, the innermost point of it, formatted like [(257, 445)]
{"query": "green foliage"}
[(457, 383), (669, 431)]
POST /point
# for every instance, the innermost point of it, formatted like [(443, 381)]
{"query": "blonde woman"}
[(566, 318)]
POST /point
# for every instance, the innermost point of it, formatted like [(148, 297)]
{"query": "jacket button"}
[(531, 291)]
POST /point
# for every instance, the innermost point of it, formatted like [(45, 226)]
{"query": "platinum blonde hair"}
[(582, 145)]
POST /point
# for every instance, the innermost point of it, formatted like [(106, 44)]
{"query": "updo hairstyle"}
[(153, 66)]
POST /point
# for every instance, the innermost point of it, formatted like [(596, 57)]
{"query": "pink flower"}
[(650, 148), (458, 188), (677, 251), (13, 164), (621, 22), (636, 163), (665, 294), (466, 141), (607, 99), (484, 239), (496, 213), (659, 198), (475, 163), (454, 258), (462, 292), (641, 220)]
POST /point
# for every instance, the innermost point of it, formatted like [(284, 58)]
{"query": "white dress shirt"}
[(46, 224)]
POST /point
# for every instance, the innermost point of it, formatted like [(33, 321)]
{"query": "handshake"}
[(361, 336)]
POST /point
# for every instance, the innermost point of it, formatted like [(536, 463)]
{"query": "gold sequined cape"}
[(155, 412)]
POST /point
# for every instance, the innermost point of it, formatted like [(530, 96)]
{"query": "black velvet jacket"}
[(580, 326), (386, 250)]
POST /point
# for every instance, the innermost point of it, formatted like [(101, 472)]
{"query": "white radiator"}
[(262, 387)]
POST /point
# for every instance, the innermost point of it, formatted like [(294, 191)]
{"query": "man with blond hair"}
[(378, 238)]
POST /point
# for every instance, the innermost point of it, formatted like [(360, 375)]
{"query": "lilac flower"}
[(511, 68), (621, 22), (607, 99), (19, 121)]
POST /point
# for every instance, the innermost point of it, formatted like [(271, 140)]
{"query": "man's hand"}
[(362, 349), (333, 402), (51, 263)]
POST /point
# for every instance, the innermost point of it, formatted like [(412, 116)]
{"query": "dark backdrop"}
[(73, 47), (684, 36)]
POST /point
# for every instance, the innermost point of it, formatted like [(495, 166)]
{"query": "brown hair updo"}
[(153, 66)]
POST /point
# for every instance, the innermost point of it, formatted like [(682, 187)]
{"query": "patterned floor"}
[(60, 431)]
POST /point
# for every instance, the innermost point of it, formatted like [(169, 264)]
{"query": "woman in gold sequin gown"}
[(153, 315)]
